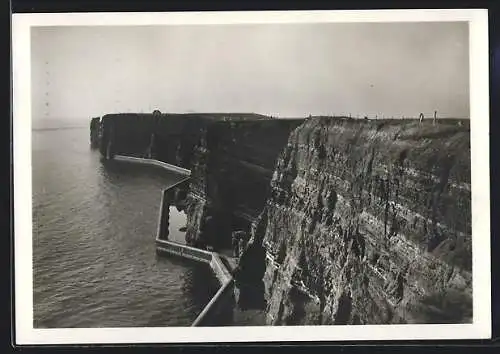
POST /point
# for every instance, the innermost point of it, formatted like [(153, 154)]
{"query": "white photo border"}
[(25, 334)]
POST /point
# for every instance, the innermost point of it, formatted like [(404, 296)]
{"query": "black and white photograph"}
[(251, 176)]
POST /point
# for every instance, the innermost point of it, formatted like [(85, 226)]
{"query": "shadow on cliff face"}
[(248, 275), (251, 297), (343, 314), (442, 308)]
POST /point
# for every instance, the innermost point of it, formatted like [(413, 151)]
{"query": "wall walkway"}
[(224, 298)]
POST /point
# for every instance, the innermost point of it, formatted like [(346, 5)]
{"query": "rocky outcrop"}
[(166, 137), (95, 132), (231, 171), (368, 222), (350, 221), (231, 157)]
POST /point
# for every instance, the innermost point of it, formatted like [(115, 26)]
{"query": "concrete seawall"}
[(163, 214), (178, 249), (220, 269), (211, 258), (223, 301), (152, 162)]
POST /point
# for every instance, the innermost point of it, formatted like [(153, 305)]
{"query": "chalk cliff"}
[(368, 222)]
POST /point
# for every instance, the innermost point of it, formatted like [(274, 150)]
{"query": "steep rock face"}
[(95, 125), (231, 157), (369, 222), (360, 221), (232, 167), (166, 137)]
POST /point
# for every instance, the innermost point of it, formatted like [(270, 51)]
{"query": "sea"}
[(94, 227)]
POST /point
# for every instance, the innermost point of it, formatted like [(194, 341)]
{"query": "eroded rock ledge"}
[(350, 221), (369, 223)]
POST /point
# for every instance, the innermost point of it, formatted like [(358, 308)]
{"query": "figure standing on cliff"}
[(421, 117), (435, 117)]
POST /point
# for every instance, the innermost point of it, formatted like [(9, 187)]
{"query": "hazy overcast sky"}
[(389, 69)]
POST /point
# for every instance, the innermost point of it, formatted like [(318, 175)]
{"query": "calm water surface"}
[(94, 255)]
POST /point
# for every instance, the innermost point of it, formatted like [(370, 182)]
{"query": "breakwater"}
[(211, 258), (153, 162), (94, 228), (220, 306)]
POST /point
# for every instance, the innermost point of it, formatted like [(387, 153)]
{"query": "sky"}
[(284, 70)]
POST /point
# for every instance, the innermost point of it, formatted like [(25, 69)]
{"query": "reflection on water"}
[(94, 257), (177, 225)]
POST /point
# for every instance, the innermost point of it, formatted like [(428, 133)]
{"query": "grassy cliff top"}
[(425, 146)]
